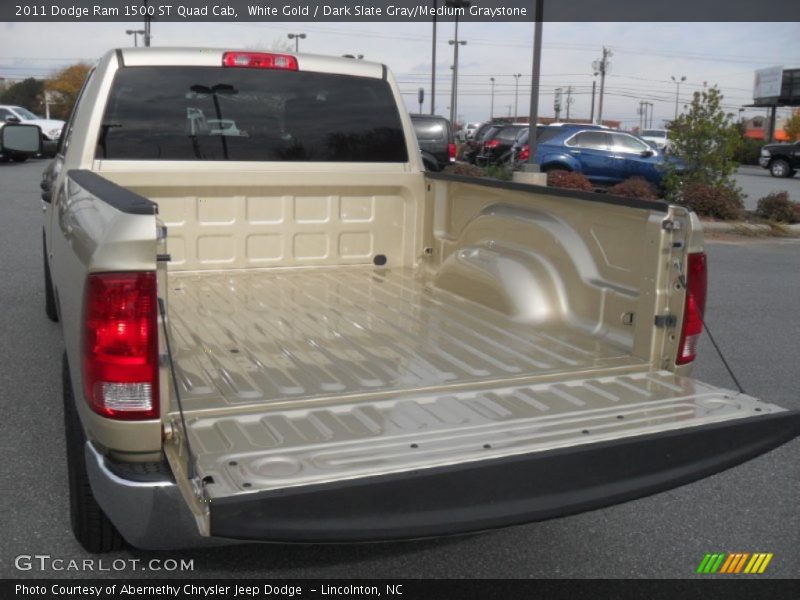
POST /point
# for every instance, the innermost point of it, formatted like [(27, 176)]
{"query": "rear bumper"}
[(496, 493), (440, 501), (151, 515)]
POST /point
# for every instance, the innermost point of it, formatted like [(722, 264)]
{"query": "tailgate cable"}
[(682, 281), (190, 466)]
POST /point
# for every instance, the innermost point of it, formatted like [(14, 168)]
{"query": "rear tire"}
[(90, 525), (50, 308), (780, 168)]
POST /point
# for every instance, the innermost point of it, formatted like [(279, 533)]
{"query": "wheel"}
[(19, 158), (90, 525), (50, 308), (780, 168)]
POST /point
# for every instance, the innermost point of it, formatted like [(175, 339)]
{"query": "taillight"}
[(259, 60), (120, 345), (696, 284), (491, 144), (525, 152), (451, 152)]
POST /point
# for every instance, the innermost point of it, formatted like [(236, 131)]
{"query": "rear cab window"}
[(217, 114)]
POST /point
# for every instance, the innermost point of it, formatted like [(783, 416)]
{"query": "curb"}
[(738, 226)]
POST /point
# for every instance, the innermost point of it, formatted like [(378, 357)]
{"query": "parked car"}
[(435, 139), (496, 147), (471, 128), (603, 156), (543, 133), (51, 128), (782, 160), (472, 147), (659, 138)]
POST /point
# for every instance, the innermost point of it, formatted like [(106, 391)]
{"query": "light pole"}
[(454, 87), (491, 108), (516, 94), (433, 63), (147, 20), (296, 37), (533, 142), (457, 4), (135, 33), (678, 83)]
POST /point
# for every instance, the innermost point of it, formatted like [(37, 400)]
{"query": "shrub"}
[(748, 152), (464, 169), (777, 207), (635, 187), (503, 171), (569, 180), (722, 202)]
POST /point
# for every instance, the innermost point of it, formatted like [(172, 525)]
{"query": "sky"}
[(645, 56)]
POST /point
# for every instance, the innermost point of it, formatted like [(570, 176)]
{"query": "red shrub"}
[(635, 187), (717, 201), (568, 180)]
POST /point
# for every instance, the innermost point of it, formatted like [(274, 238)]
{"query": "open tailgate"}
[(428, 464)]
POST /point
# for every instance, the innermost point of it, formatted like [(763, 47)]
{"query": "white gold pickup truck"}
[(284, 330)]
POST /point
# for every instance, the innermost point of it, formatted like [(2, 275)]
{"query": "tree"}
[(704, 140), (792, 125), (65, 86), (26, 93)]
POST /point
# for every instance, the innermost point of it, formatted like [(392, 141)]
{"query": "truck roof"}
[(212, 57)]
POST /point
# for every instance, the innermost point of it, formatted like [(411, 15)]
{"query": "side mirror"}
[(25, 139), (647, 153), (12, 119)]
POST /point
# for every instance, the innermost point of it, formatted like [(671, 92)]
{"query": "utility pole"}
[(651, 105), (570, 100), (594, 85), (557, 103), (516, 94), (491, 108), (639, 112), (602, 66)]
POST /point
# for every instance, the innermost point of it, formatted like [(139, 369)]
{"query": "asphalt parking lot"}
[(754, 291), (757, 183)]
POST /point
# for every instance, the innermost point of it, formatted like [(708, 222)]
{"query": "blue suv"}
[(604, 156)]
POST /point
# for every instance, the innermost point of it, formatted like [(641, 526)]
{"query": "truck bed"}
[(288, 336), (300, 376)]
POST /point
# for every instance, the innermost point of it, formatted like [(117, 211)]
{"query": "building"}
[(757, 129)]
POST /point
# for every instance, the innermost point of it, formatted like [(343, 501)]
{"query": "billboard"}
[(767, 83)]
